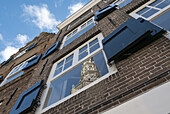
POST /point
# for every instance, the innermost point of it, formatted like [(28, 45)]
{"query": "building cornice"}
[(78, 13)]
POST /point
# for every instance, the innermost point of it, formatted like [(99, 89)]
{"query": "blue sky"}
[(22, 20)]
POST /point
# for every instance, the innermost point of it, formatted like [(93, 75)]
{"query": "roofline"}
[(78, 13)]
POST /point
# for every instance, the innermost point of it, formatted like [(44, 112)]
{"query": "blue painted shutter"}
[(30, 47), (105, 11), (7, 61), (51, 50), (27, 99), (1, 78), (129, 38), (32, 62)]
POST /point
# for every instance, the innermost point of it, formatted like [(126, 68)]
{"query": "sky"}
[(22, 20)]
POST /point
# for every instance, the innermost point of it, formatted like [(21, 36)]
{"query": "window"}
[(78, 31), (122, 3), (20, 54), (79, 18), (32, 46), (7, 61), (16, 72), (76, 70), (156, 11)]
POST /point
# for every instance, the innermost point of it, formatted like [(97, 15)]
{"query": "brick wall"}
[(145, 69), (139, 70), (30, 76)]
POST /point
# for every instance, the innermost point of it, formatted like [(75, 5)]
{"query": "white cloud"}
[(75, 7), (41, 17), (1, 37), (7, 52), (22, 39), (13, 47)]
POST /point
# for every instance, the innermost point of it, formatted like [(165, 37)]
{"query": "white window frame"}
[(22, 65), (152, 17), (111, 70), (78, 29)]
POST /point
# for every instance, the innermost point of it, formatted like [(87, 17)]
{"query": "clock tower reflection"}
[(89, 73)]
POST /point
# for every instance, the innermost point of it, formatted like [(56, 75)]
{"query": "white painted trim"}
[(77, 14)]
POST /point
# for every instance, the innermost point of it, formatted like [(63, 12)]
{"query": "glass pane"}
[(15, 76), (156, 2), (62, 86), (150, 13), (93, 48), (67, 65), (82, 49), (24, 64), (15, 69), (82, 55), (93, 42), (142, 11), (69, 58), (164, 4), (60, 64), (79, 34), (58, 71), (163, 20)]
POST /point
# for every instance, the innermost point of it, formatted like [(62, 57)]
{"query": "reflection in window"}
[(62, 86)]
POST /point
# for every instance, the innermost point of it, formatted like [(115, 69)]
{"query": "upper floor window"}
[(78, 31), (85, 65), (156, 11), (20, 54), (15, 72), (79, 18), (122, 3)]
